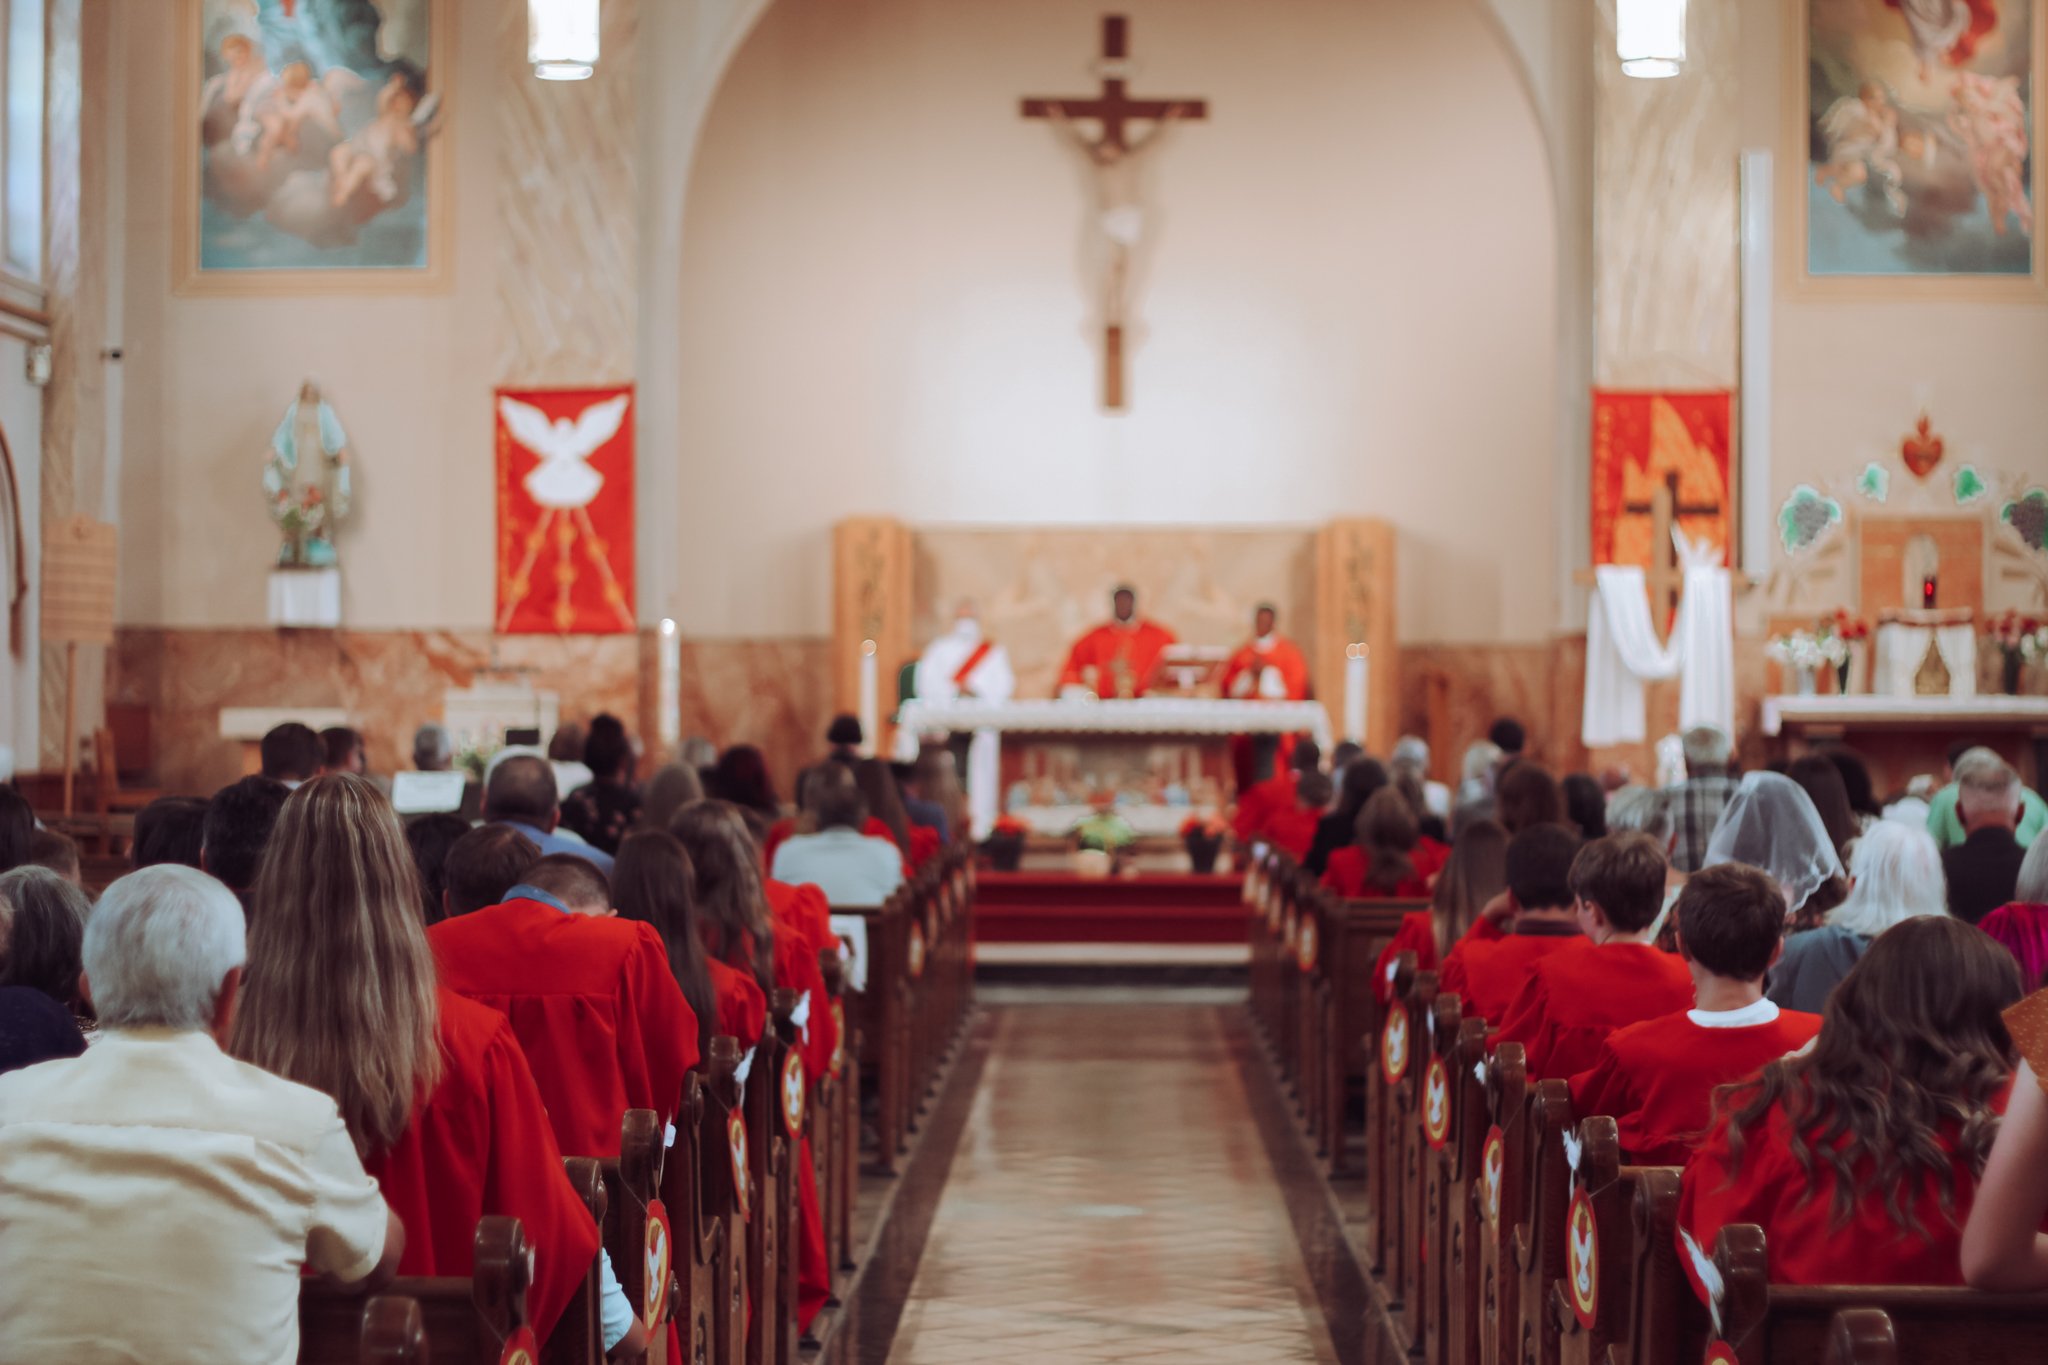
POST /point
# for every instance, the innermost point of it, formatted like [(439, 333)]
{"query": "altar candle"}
[(867, 696), (669, 681), (1356, 680), (1927, 586)]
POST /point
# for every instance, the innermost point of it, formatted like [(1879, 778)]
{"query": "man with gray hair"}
[(433, 751), (156, 1193), (521, 792), (1984, 870), (1696, 803)]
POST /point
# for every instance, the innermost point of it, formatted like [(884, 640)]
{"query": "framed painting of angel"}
[(312, 146), (1916, 137)]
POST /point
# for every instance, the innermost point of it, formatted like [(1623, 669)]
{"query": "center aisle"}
[(1110, 1200)]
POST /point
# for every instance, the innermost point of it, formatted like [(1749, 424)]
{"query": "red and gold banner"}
[(565, 511), (1644, 441)]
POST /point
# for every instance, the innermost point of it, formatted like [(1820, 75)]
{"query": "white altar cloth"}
[(1874, 711), (1144, 716)]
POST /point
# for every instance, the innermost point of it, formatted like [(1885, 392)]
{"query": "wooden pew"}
[(631, 1183), (463, 1319), (1504, 1166), (394, 1332), (1539, 1234), (1595, 1302), (1353, 934), (769, 1171), (1393, 1050), (578, 1338), (1436, 1118), (1471, 1120), (834, 1125), (1664, 1314), (1764, 1322), (725, 1199), (1407, 1119), (878, 1015)]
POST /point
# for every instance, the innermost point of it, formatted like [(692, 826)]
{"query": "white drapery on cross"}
[(1622, 651)]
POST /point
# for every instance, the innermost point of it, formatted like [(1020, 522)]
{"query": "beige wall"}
[(1349, 308)]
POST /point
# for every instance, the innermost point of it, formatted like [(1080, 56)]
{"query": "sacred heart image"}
[(565, 511)]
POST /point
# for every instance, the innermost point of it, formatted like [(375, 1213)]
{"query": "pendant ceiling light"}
[(1649, 35), (561, 38)]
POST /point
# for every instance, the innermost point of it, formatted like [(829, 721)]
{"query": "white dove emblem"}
[(1437, 1098), (657, 1266), (1709, 1275), (793, 1092), (1397, 1040), (563, 479), (1582, 1253), (1491, 1173)]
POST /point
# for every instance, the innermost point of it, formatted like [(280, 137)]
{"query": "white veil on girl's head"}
[(1770, 824)]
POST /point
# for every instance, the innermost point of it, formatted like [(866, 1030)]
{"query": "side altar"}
[(1167, 758)]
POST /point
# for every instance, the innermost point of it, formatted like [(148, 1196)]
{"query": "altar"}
[(1165, 758), (1902, 736)]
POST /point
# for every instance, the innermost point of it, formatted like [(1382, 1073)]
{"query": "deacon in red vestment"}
[(481, 1144), (1657, 1078), (1117, 659), (1267, 667), (594, 1005)]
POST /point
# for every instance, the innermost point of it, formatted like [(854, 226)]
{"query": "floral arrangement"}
[(1849, 629), (1203, 827), (1809, 649), (1008, 826), (2018, 636), (1104, 830)]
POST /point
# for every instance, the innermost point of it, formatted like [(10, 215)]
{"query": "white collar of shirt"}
[(1749, 1016), (1264, 644)]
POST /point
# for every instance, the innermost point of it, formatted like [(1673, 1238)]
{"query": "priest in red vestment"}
[(1657, 1078), (1572, 1002), (594, 1005), (1117, 659)]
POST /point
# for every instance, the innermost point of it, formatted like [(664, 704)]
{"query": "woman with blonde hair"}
[(340, 993)]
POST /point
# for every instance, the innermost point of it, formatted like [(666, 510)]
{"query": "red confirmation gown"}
[(481, 1144), (593, 1003), (1573, 1002), (1115, 660)]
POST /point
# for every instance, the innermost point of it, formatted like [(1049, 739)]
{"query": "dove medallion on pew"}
[(1436, 1100), (1582, 1247)]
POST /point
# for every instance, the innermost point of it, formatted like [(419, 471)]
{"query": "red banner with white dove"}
[(565, 511)]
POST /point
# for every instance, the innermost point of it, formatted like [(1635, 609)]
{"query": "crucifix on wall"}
[(1665, 576), (1113, 157)]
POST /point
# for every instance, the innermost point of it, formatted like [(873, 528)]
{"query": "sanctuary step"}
[(1158, 908)]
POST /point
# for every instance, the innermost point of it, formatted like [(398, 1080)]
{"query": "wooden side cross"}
[(1664, 576), (1111, 154)]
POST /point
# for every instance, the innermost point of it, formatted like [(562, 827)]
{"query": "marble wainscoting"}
[(1453, 693), (774, 693)]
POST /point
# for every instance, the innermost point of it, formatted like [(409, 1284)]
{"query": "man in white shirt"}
[(851, 868), (158, 1199), (963, 664)]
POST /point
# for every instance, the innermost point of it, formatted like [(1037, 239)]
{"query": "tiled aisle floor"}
[(1110, 1201)]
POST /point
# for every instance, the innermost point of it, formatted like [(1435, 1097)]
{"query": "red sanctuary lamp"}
[(1927, 586)]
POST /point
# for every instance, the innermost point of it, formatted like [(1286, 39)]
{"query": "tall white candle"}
[(1356, 681), (867, 697), (669, 681)]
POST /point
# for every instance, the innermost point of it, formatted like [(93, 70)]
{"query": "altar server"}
[(1859, 1158), (1572, 1003), (964, 664), (1116, 659), (1657, 1078), (1267, 667)]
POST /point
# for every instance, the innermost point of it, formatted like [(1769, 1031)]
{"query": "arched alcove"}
[(1349, 303)]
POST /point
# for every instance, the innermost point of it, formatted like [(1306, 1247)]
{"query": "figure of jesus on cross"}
[(1113, 158)]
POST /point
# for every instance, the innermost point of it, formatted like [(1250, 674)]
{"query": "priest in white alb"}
[(965, 665)]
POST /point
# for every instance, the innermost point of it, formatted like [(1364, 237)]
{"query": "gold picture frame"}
[(192, 277), (1796, 175)]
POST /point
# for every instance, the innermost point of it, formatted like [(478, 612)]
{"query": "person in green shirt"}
[(1947, 827)]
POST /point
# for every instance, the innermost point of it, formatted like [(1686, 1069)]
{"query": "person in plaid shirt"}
[(1696, 803)]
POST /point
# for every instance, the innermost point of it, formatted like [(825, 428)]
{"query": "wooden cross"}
[(1665, 576), (1113, 108)]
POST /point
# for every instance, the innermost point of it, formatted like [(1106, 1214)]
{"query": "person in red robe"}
[(1267, 667), (1474, 874), (1294, 829), (1261, 801), (1382, 865), (340, 993), (1486, 970), (592, 1001), (1117, 659), (1657, 1078), (1571, 1003), (1896, 1104), (740, 929)]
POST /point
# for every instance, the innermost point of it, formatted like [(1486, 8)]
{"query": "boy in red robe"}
[(1294, 829), (593, 1003), (1484, 969), (1657, 1078), (1260, 802), (1574, 1001), (1117, 659)]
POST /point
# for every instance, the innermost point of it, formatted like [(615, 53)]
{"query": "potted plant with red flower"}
[(1203, 836), (2011, 634), (1005, 843), (1852, 631)]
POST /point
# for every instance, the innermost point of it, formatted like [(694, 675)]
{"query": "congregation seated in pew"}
[(1472, 877), (1487, 968), (2022, 925), (1895, 871), (1294, 828), (1389, 857), (1860, 1157), (342, 995), (1573, 1001), (132, 1217), (652, 884), (1656, 1078), (851, 866)]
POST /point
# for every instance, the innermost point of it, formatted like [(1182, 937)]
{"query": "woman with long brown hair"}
[(340, 993), (1381, 863), (740, 931), (1859, 1158), (1474, 875), (653, 883), (885, 806)]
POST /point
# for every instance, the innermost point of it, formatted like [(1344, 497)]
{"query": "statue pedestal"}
[(305, 598)]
